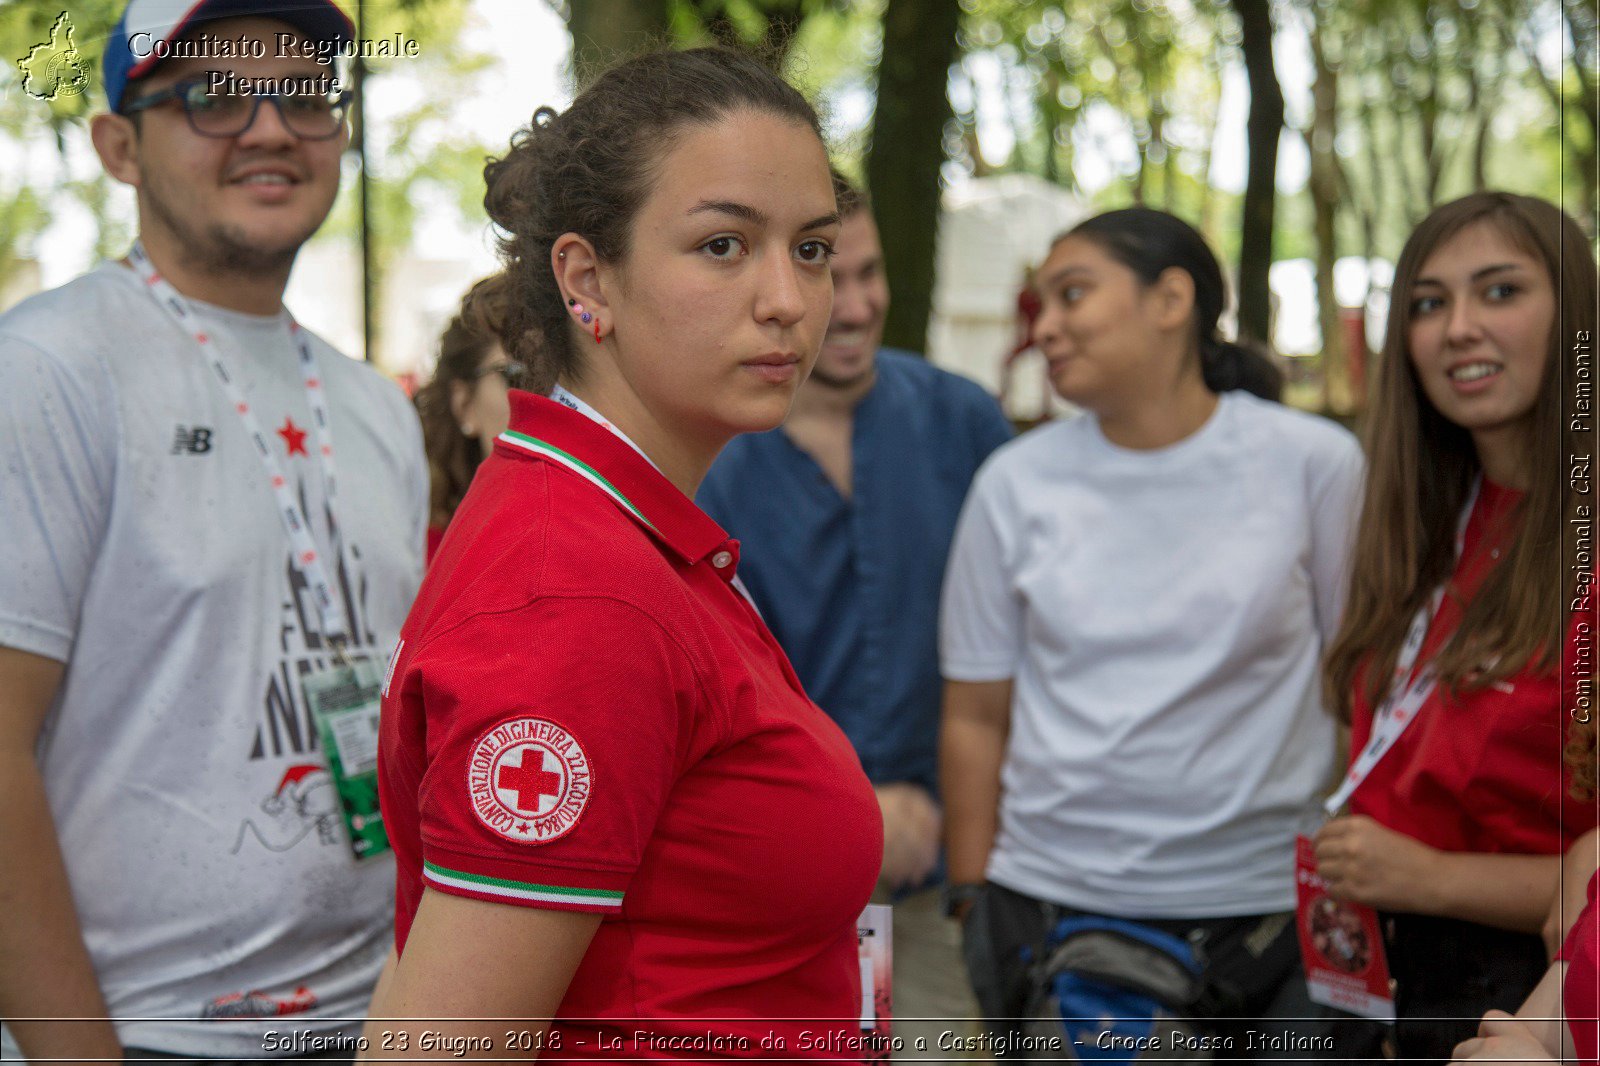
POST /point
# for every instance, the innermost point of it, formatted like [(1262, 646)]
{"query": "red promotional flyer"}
[(1340, 945)]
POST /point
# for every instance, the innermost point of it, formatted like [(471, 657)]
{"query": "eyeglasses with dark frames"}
[(513, 373), (310, 115)]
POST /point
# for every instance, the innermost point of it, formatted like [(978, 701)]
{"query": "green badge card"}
[(344, 702)]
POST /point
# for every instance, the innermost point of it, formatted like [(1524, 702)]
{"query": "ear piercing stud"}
[(582, 314)]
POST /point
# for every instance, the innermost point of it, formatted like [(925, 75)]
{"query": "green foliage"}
[(1154, 63), (25, 26), (833, 60), (21, 217), (1416, 80), (425, 152), (1421, 81), (420, 149)]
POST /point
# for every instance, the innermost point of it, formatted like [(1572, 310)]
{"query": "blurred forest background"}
[(1388, 108)]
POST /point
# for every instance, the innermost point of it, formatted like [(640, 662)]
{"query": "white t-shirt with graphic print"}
[(142, 547)]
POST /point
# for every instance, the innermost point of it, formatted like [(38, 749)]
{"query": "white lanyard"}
[(1399, 709), (566, 399), (306, 557)]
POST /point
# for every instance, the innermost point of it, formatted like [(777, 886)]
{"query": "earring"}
[(583, 315), (597, 331)]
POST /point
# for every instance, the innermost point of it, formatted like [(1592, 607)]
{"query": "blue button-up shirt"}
[(850, 587)]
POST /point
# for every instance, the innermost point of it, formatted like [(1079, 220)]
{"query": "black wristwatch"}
[(953, 896)]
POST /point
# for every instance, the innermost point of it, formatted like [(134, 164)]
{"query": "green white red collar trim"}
[(577, 466)]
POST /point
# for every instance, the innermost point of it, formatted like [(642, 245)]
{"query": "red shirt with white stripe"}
[(1478, 771), (585, 713), (1580, 992)]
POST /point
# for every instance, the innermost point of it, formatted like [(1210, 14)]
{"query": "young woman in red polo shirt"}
[(1560, 1021), (1457, 832), (610, 801)]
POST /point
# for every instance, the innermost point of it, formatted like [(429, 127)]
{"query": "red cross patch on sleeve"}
[(529, 780)]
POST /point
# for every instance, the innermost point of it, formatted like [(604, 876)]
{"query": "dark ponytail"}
[(1230, 365), (1147, 242)]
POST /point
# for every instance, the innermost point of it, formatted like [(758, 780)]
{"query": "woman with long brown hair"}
[(1457, 612)]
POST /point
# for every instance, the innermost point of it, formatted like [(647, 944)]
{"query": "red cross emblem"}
[(528, 780)]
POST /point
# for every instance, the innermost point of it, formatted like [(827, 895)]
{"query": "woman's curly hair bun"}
[(588, 170)]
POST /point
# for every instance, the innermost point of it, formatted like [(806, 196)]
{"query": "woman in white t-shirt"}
[(1134, 613)]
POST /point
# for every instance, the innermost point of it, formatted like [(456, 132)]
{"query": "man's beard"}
[(219, 249), (829, 381)]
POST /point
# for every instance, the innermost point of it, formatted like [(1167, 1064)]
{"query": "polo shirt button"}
[(721, 559)]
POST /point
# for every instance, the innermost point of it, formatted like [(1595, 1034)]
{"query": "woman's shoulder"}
[(529, 532), (1056, 443), (1291, 431)]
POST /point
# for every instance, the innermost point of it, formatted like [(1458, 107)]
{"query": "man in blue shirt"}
[(844, 517)]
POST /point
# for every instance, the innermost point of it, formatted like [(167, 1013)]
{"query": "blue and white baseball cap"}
[(147, 26)]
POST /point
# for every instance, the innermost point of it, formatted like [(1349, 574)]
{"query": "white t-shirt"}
[(1162, 614), (202, 834)]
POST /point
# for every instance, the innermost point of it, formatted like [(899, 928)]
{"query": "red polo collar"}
[(543, 429)]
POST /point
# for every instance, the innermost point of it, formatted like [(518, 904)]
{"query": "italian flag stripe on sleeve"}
[(523, 890)]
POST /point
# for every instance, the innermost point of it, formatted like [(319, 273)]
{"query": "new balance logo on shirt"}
[(195, 440)]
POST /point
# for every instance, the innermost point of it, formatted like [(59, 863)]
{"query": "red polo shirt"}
[(1580, 993), (584, 713), (1477, 771)]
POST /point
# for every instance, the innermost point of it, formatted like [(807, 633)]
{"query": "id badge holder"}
[(344, 700), (1341, 944), (875, 953)]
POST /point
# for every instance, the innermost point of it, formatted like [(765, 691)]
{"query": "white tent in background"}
[(991, 231)]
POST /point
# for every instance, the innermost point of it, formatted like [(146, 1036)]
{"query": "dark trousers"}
[(1254, 984), (1448, 972)]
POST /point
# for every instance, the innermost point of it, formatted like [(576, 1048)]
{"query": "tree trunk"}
[(1410, 193), (906, 154), (1208, 192), (1169, 154), (1050, 119), (1324, 189), (1583, 26), (1377, 179), (604, 31), (1260, 194)]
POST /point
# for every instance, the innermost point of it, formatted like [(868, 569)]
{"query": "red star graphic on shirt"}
[(293, 436)]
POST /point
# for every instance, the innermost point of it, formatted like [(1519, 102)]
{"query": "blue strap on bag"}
[(1114, 991)]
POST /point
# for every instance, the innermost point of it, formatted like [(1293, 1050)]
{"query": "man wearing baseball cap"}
[(194, 608)]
